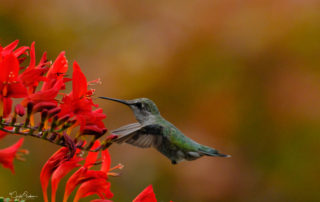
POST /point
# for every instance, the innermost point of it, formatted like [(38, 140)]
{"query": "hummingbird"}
[(152, 130)]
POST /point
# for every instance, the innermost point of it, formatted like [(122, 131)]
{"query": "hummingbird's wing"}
[(138, 135), (127, 129)]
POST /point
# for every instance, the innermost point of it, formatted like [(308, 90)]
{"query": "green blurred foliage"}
[(241, 76)]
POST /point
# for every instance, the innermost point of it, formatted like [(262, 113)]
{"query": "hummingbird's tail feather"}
[(212, 152), (221, 155)]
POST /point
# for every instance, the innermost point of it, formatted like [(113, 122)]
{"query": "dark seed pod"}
[(29, 107), (53, 137)]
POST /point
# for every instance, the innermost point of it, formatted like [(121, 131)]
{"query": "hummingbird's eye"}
[(139, 105)]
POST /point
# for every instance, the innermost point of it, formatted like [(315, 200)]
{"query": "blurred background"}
[(240, 76)]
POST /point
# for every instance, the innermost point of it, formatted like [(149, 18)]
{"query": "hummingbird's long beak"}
[(116, 100)]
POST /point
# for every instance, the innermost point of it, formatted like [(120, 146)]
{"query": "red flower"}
[(34, 74), (90, 181), (54, 82), (95, 118), (78, 103), (56, 72), (8, 154), (45, 95), (57, 166), (147, 195), (80, 176), (95, 186), (60, 172), (10, 85), (9, 49)]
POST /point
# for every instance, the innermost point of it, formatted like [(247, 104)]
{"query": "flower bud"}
[(68, 141), (53, 112), (19, 109), (94, 130), (44, 105), (63, 119), (110, 138), (108, 141)]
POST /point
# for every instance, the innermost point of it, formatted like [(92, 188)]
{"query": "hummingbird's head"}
[(142, 107)]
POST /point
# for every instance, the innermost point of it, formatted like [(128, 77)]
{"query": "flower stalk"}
[(50, 134)]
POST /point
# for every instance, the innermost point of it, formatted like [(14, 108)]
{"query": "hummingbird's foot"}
[(174, 162)]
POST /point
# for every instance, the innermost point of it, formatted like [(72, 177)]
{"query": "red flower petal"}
[(147, 195), (59, 67), (50, 166), (7, 105), (10, 85), (60, 172), (92, 156), (79, 82), (95, 186), (80, 176), (106, 159), (20, 51), (7, 155), (9, 48), (34, 74), (95, 118), (32, 77), (56, 72), (32, 63), (16, 90), (9, 69), (45, 95), (73, 182)]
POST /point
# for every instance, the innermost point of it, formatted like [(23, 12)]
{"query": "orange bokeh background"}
[(240, 76)]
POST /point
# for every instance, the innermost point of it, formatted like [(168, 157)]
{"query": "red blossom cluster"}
[(40, 87), (90, 181), (64, 119)]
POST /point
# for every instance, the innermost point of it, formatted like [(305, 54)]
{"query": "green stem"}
[(22, 129)]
